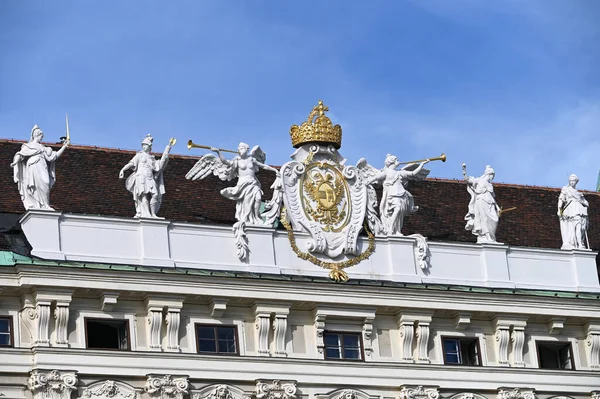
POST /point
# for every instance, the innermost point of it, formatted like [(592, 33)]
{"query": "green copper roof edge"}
[(8, 258)]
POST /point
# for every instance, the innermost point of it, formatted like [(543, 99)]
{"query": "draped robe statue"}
[(573, 215), (482, 217), (34, 171)]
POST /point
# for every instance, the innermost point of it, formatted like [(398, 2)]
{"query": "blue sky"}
[(514, 84)]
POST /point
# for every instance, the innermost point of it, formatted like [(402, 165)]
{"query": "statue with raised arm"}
[(396, 202), (34, 170), (484, 212), (247, 193), (146, 182), (573, 216)]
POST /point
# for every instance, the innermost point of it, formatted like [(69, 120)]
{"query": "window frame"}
[(462, 338), (11, 335), (106, 319), (215, 326), (344, 359), (555, 343)]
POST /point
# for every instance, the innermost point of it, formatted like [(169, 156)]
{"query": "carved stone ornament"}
[(110, 389), (515, 393), (219, 392), (167, 387), (52, 385), (275, 390), (467, 395), (418, 392), (595, 395)]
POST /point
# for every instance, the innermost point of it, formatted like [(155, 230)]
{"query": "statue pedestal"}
[(161, 243)]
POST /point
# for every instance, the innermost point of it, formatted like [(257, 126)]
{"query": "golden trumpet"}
[(191, 145), (440, 158)]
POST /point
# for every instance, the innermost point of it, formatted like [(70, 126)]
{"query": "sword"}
[(506, 210), (66, 138)]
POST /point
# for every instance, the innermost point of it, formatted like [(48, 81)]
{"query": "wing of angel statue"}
[(367, 171), (258, 154), (211, 164)]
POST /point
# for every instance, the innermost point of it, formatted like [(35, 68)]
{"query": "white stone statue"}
[(396, 202), (247, 192), (146, 183), (484, 212), (573, 215), (34, 170)]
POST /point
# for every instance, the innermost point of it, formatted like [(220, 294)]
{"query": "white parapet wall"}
[(161, 243)]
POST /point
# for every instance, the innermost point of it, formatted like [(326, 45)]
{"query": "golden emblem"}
[(326, 200)]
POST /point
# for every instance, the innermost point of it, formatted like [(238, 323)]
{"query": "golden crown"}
[(319, 130)]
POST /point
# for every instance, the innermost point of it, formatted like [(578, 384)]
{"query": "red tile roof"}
[(87, 182)]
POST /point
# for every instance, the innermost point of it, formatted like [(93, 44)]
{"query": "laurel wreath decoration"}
[(336, 269)]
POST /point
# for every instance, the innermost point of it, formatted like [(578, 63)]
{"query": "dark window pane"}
[(207, 346), (226, 333), (451, 345), (4, 325), (351, 353), (4, 339), (332, 353), (452, 358), (107, 334), (227, 346), (206, 332), (351, 340), (331, 339)]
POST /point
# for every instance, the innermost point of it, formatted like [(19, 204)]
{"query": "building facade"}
[(97, 304)]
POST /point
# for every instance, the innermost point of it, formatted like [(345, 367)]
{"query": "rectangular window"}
[(343, 345), (464, 351), (6, 334), (107, 334), (555, 355), (217, 339)]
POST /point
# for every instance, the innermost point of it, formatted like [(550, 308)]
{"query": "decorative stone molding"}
[(173, 320), (467, 395), (52, 385), (109, 300), (516, 393), (220, 391), (275, 390), (346, 394), (592, 342), (154, 318), (407, 329), (280, 324), (556, 325), (518, 342), (166, 387), (262, 322), (368, 336), (462, 321), (510, 329), (61, 315), (218, 306), (422, 334), (319, 330), (418, 392), (35, 315), (595, 395), (110, 389)]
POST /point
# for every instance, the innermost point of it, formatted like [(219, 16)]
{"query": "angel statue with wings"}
[(396, 201), (247, 192)]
